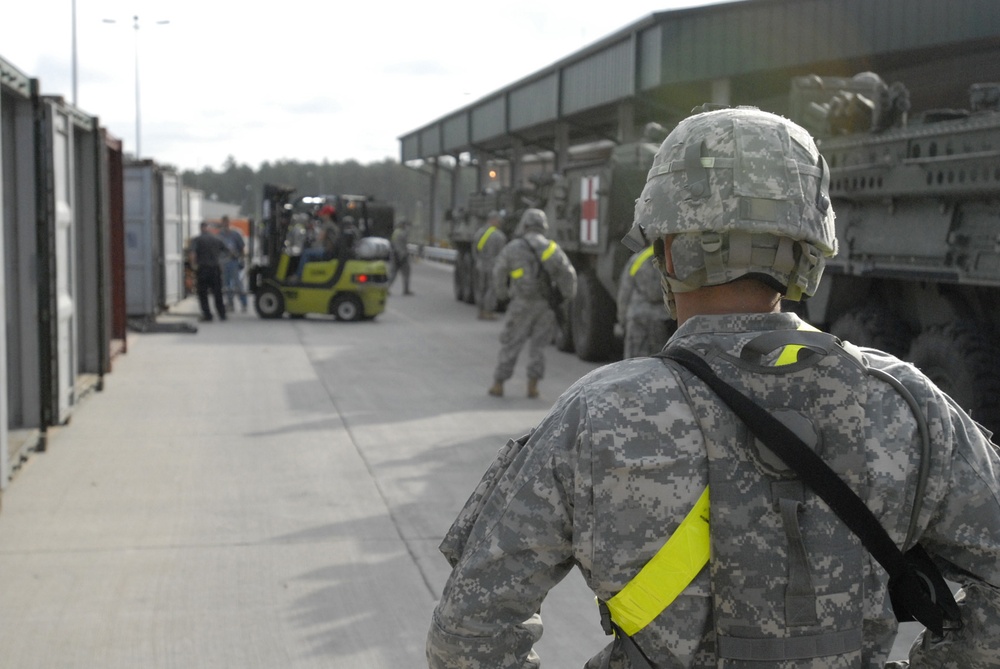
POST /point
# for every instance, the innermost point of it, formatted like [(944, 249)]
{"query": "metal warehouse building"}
[(747, 52)]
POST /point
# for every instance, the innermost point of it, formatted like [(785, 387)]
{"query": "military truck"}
[(917, 198)]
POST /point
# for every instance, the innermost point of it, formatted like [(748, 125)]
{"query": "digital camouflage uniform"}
[(619, 462), (641, 311), (488, 241), (529, 318), (607, 476)]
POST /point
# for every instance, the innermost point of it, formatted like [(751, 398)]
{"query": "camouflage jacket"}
[(486, 250), (607, 476), (515, 271), (640, 296)]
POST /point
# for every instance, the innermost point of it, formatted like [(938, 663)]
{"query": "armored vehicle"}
[(917, 198)]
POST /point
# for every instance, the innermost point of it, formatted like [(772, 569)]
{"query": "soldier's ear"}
[(661, 249)]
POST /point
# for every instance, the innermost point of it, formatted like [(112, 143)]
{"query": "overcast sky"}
[(296, 79)]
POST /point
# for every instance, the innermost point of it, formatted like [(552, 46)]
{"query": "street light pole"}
[(138, 108)]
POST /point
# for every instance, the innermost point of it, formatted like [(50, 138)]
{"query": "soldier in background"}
[(738, 210), (401, 255), (518, 274), (641, 313), (488, 241)]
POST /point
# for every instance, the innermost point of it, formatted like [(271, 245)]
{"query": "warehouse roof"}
[(666, 63)]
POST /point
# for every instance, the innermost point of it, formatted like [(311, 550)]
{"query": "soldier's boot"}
[(496, 390), (532, 388)]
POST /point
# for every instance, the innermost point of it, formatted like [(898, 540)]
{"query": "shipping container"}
[(21, 423), (154, 239)]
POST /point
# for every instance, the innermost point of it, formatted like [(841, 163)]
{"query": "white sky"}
[(303, 80)]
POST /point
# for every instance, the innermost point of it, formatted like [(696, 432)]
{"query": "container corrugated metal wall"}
[(22, 401)]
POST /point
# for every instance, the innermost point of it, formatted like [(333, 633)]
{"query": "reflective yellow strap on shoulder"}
[(637, 263), (666, 575), (517, 273), (549, 251), (486, 235), (790, 353)]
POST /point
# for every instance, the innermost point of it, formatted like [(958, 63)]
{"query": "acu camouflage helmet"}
[(745, 194), (533, 220)]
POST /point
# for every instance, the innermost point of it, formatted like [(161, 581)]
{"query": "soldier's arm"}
[(519, 547), (964, 537), (500, 269)]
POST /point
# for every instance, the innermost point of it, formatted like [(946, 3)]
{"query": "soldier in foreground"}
[(488, 242), (644, 322), (619, 473), (526, 269)]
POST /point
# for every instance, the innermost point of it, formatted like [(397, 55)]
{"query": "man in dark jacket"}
[(206, 252)]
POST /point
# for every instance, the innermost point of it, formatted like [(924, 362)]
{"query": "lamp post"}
[(138, 108)]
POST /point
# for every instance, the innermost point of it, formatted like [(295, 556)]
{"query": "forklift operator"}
[(325, 246)]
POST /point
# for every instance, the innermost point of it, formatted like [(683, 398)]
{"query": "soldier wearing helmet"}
[(529, 270), (488, 241), (616, 479)]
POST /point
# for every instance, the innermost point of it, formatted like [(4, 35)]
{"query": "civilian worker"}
[(488, 241), (526, 269), (640, 453), (232, 265), (324, 247), (206, 253), (400, 243)]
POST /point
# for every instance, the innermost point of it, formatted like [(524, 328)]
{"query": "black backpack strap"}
[(916, 588)]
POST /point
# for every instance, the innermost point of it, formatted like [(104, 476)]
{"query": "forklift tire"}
[(347, 307), (269, 303)]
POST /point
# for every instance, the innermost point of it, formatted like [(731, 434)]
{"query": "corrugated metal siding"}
[(650, 67), (430, 140), (697, 45), (603, 77), (769, 35), (535, 103), (456, 133), (489, 120), (409, 148)]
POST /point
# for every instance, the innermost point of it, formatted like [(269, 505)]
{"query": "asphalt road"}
[(269, 494)]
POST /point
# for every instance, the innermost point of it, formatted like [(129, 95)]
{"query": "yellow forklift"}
[(351, 283)]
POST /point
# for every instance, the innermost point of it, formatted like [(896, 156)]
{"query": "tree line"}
[(405, 188)]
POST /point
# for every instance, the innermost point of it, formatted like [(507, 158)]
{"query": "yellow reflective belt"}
[(637, 263), (517, 273), (486, 235), (666, 575), (549, 251)]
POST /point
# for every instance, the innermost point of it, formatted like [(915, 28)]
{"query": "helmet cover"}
[(746, 193)]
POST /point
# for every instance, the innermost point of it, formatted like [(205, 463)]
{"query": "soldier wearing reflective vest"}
[(488, 241), (704, 549), (644, 322), (528, 267)]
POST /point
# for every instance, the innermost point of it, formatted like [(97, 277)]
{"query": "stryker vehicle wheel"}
[(347, 307), (593, 319), (269, 303), (875, 327), (960, 358)]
